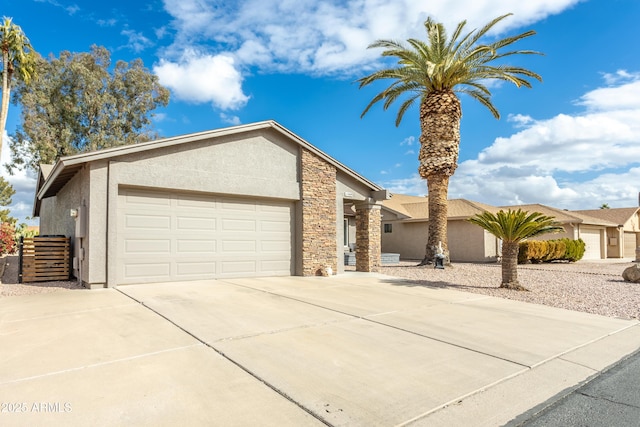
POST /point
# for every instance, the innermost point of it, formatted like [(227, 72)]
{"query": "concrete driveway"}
[(354, 349)]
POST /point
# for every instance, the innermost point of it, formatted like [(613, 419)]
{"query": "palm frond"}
[(440, 63)]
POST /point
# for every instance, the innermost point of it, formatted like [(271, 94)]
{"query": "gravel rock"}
[(632, 274), (10, 286), (590, 286)]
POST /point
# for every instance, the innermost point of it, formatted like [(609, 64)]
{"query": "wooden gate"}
[(44, 259)]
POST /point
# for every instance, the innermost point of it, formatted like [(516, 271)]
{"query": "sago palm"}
[(512, 227), (18, 60), (431, 72)]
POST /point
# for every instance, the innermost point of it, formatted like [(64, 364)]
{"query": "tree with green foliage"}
[(78, 103), (512, 227), (431, 72), (6, 194), (18, 64), (604, 206)]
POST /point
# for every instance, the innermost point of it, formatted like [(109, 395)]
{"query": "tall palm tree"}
[(17, 56), (512, 227), (432, 72)]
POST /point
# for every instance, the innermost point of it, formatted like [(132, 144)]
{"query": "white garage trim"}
[(592, 238), (173, 236)]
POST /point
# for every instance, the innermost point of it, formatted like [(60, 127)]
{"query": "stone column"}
[(318, 181), (368, 246)]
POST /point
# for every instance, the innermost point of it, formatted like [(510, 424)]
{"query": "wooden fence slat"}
[(45, 259)]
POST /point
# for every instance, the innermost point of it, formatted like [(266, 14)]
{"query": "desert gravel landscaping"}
[(590, 286)]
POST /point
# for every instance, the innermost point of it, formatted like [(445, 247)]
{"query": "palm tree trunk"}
[(438, 186), (440, 115), (510, 266)]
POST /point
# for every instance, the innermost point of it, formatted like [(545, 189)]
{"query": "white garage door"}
[(591, 237), (630, 245), (171, 236)]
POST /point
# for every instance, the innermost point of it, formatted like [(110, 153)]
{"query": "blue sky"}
[(572, 141)]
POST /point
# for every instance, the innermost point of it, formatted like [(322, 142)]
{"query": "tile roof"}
[(417, 207), (617, 215), (563, 216)]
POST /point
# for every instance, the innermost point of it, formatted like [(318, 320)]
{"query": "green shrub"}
[(574, 250), (23, 230), (555, 250), (537, 251)]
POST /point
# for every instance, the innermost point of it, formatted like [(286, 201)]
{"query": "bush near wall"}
[(537, 251), (7, 238)]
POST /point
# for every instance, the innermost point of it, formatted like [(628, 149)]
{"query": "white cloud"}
[(204, 78), (23, 182), (330, 36), (232, 120), (137, 41), (553, 161)]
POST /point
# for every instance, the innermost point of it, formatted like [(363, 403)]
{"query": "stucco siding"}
[(258, 166), (470, 243), (406, 238), (95, 244), (55, 212)]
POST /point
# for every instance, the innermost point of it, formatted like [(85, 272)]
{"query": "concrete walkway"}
[(354, 349)]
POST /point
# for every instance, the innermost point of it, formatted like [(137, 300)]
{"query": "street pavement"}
[(611, 399)]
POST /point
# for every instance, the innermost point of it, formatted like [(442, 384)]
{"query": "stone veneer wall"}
[(318, 181), (368, 238)]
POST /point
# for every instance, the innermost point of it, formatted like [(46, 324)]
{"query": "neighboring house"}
[(577, 225), (624, 238), (405, 229), (250, 200)]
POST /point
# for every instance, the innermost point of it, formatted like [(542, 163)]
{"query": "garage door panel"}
[(274, 266), (274, 246), (148, 222), (239, 225), (148, 271), (196, 246), (630, 245), (194, 223), (238, 206), (144, 198), (197, 236), (592, 239), (146, 246), (196, 202), (271, 225), (238, 246), (237, 267), (196, 268)]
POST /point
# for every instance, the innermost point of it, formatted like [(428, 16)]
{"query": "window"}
[(388, 228)]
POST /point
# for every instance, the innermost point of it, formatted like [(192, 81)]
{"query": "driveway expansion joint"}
[(234, 362)]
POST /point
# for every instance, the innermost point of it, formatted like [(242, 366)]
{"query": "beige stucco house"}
[(250, 200), (577, 225), (405, 229), (624, 237)]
